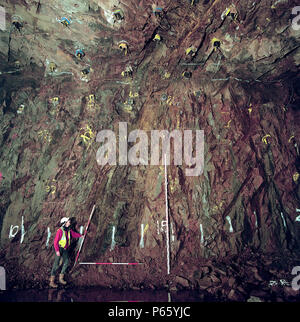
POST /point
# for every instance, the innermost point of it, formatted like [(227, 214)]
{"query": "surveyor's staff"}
[(87, 226), (167, 217)]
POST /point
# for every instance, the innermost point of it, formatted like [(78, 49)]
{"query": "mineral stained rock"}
[(229, 68)]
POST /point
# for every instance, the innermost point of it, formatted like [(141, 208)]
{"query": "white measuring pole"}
[(167, 218)]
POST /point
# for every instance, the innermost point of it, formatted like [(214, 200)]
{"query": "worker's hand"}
[(58, 253)]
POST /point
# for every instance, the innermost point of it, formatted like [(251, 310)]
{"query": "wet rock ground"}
[(280, 293), (238, 279), (101, 295)]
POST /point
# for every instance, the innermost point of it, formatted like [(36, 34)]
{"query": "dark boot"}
[(52, 283), (61, 279)]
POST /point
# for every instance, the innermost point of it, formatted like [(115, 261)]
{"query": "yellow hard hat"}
[(214, 40), (157, 37), (123, 45), (190, 50)]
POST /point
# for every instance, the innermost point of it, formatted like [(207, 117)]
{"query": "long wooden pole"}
[(86, 229)]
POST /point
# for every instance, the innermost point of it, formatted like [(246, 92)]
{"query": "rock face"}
[(229, 68)]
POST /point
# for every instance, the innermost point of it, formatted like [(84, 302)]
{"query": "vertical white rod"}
[(202, 234), (22, 231), (2, 279), (230, 225), (48, 237), (113, 243), (256, 221), (283, 220), (167, 218), (142, 236)]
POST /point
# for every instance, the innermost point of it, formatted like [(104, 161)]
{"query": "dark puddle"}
[(99, 295)]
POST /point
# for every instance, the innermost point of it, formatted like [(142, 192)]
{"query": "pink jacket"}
[(59, 235)]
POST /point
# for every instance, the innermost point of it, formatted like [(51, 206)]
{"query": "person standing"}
[(62, 242)]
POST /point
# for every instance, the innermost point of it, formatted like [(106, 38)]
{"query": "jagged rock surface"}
[(247, 196)]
